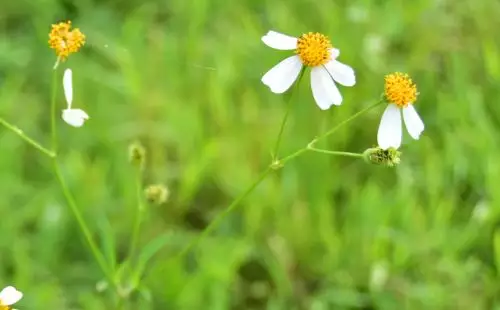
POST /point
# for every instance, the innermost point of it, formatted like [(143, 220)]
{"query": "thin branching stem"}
[(336, 153), (26, 138), (328, 133)]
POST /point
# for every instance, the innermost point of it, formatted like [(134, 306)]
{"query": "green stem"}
[(138, 216), (23, 136), (99, 258), (53, 128), (337, 153), (81, 222), (328, 133), (224, 213), (334, 129), (287, 113)]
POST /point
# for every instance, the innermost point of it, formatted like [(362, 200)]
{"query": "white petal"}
[(279, 41), (334, 53), (282, 76), (324, 90), (413, 123), (10, 296), (341, 73), (390, 131), (68, 86), (75, 117)]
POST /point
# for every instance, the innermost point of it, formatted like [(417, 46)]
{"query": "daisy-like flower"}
[(400, 92), (74, 117), (65, 41), (8, 297), (312, 50)]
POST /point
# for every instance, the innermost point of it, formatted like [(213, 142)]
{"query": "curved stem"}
[(23, 136), (224, 213), (287, 113), (334, 129), (81, 222), (337, 153), (328, 133)]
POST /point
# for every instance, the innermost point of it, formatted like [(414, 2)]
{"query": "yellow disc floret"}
[(400, 89), (314, 49), (64, 40)]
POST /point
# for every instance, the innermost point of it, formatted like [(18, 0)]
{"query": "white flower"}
[(401, 93), (74, 117), (313, 50), (9, 296)]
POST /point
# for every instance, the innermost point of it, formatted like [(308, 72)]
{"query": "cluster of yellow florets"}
[(64, 40), (313, 49), (400, 89)]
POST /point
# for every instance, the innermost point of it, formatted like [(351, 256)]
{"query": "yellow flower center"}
[(314, 49), (2, 307), (400, 89), (65, 41)]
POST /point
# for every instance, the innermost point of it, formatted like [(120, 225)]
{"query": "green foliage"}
[(183, 77)]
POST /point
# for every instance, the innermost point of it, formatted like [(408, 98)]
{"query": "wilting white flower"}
[(313, 50), (401, 93), (9, 296), (74, 117)]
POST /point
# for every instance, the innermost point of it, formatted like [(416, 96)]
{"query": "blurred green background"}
[(183, 77)]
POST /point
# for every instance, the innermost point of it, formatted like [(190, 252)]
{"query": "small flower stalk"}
[(378, 156), (65, 41), (9, 296), (157, 194), (73, 117)]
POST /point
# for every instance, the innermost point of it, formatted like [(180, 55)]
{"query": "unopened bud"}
[(137, 154), (157, 194), (379, 156)]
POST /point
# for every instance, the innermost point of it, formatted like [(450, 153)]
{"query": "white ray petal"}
[(390, 130), (281, 77), (68, 86), (413, 122), (75, 117), (341, 73), (324, 90), (279, 41), (334, 53), (9, 296)]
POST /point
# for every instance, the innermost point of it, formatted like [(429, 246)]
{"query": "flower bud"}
[(137, 154), (157, 194), (379, 156)]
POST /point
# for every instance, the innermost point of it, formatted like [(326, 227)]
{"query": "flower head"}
[(137, 154), (400, 89), (313, 50), (378, 156), (74, 117), (64, 40), (400, 93), (157, 193), (8, 297)]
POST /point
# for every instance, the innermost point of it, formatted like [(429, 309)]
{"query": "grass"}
[(183, 77)]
